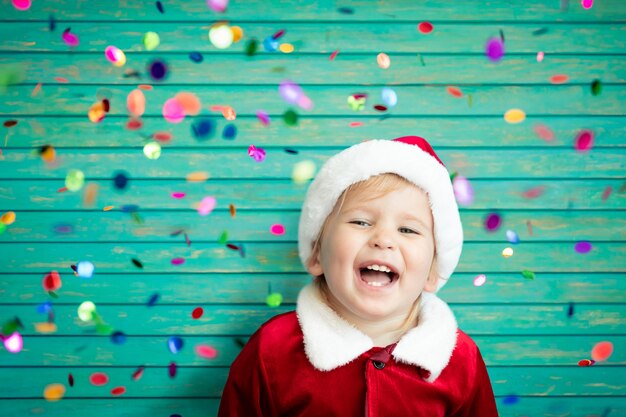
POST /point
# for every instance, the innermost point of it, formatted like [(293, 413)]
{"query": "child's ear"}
[(315, 265), (432, 280)]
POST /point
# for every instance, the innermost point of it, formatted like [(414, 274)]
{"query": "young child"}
[(380, 231)]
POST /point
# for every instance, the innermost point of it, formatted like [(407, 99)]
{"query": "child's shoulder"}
[(466, 348), (277, 332)]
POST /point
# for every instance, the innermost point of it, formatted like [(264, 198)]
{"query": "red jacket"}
[(313, 363)]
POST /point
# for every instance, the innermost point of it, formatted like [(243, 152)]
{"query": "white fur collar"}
[(331, 342)]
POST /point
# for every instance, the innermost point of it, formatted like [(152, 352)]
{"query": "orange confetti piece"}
[(559, 79), (108, 208), (146, 87), (233, 210), (91, 192), (198, 176), (455, 92), (229, 113), (61, 80), (36, 90), (62, 190)]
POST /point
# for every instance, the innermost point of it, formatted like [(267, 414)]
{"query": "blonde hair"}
[(376, 186)]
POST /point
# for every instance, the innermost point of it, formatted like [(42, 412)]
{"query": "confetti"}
[(196, 57), (494, 49), (69, 38), (559, 79), (152, 150), (223, 238), (221, 36), (583, 247), (383, 60), (274, 299), (21, 4), (602, 351), (153, 299), (51, 281), (13, 343), (290, 118), (178, 195), (8, 218), (159, 7), (151, 40), (534, 192), (584, 141), (197, 176), (570, 310), (333, 55), (510, 399), (479, 280), (207, 205), (86, 311), (136, 103), (514, 116), (596, 87), (270, 44), (463, 191), (237, 33), (493, 222), (586, 362), (172, 369), (607, 192), (380, 107), (425, 27), (540, 56), (138, 373), (303, 171), (507, 252), (206, 351), (99, 379), (137, 263), (233, 210), (217, 5), (197, 313), (189, 102), (178, 261), (587, 4), (286, 48), (54, 392), (70, 380), (173, 111), (544, 132), (530, 275), (84, 269), (120, 180), (389, 97), (277, 229), (115, 56), (229, 132), (175, 344), (118, 338), (454, 92), (118, 391), (157, 70), (203, 129), (252, 47), (258, 154), (512, 237)]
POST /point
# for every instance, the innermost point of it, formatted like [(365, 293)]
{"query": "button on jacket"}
[(312, 363)]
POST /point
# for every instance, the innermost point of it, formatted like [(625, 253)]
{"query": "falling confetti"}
[(84, 269), (137, 263), (514, 116), (586, 362), (152, 150), (383, 60), (507, 252), (177, 261), (221, 36), (494, 49), (512, 237), (69, 38), (559, 79), (118, 391), (454, 92), (493, 222), (389, 97), (21, 4), (99, 379), (153, 299), (425, 27), (70, 380), (479, 280), (596, 87), (151, 40), (258, 154), (583, 247), (86, 311), (51, 281), (277, 229), (172, 369), (584, 141), (13, 343), (527, 274), (8, 218), (54, 392), (303, 171), (274, 299), (587, 4), (159, 7), (463, 191), (602, 351), (206, 351), (333, 55), (175, 344), (138, 373), (544, 132), (207, 205), (115, 56), (118, 338), (197, 313)]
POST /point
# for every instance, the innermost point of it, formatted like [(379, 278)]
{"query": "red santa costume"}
[(312, 362)]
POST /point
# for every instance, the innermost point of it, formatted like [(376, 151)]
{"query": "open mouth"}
[(377, 275)]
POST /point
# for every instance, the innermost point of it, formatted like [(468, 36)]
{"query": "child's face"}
[(395, 230)]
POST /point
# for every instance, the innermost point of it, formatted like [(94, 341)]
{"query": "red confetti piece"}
[(162, 136), (534, 192), (138, 373), (559, 79), (356, 124), (584, 141), (145, 87), (52, 281), (187, 240), (197, 312), (544, 132), (10, 123), (98, 379), (172, 369), (62, 190), (178, 261), (134, 124), (118, 390), (425, 27), (206, 351), (36, 90), (586, 362), (602, 351), (70, 380), (455, 92), (233, 247), (607, 192), (333, 55), (279, 34), (61, 80), (380, 107)]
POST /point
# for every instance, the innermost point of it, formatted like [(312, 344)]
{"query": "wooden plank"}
[(448, 131), (202, 382), (243, 320), (80, 351), (358, 68), (251, 288), (540, 406), (281, 257), (321, 10), (232, 163), (326, 37), (553, 100), (111, 226), (285, 195)]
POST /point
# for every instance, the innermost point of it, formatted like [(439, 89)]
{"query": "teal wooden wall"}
[(532, 333)]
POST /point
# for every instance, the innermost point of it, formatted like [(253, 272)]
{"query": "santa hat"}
[(410, 157)]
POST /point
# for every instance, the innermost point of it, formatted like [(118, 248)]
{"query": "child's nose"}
[(382, 239)]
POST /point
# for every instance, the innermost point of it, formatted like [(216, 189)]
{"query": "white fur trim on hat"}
[(358, 163)]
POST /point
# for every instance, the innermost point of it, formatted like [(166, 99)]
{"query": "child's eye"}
[(403, 229), (359, 222)]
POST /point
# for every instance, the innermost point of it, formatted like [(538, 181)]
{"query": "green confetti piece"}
[(223, 238), (252, 47), (596, 87), (274, 299), (528, 274), (290, 118), (53, 294), (11, 326)]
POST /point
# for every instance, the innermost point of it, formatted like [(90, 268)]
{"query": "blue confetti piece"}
[(153, 299), (510, 400), (196, 57), (44, 308), (175, 344), (230, 131), (118, 338), (203, 129)]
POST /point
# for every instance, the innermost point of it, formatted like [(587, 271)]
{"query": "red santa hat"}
[(410, 157)]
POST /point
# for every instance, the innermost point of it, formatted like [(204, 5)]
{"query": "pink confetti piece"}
[(277, 229), (587, 4), (172, 369), (333, 55), (356, 124), (258, 154), (493, 222), (98, 379), (602, 351), (607, 192), (263, 117), (206, 205), (21, 4), (463, 191), (206, 351), (178, 261), (584, 141), (534, 192), (178, 195), (69, 38), (540, 56), (544, 132), (480, 280)]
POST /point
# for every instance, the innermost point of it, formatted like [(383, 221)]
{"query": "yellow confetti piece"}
[(507, 252), (514, 116), (108, 208), (286, 48), (303, 171), (54, 392), (237, 33), (197, 176), (45, 327)]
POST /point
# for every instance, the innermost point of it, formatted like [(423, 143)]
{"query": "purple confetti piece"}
[(583, 247)]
